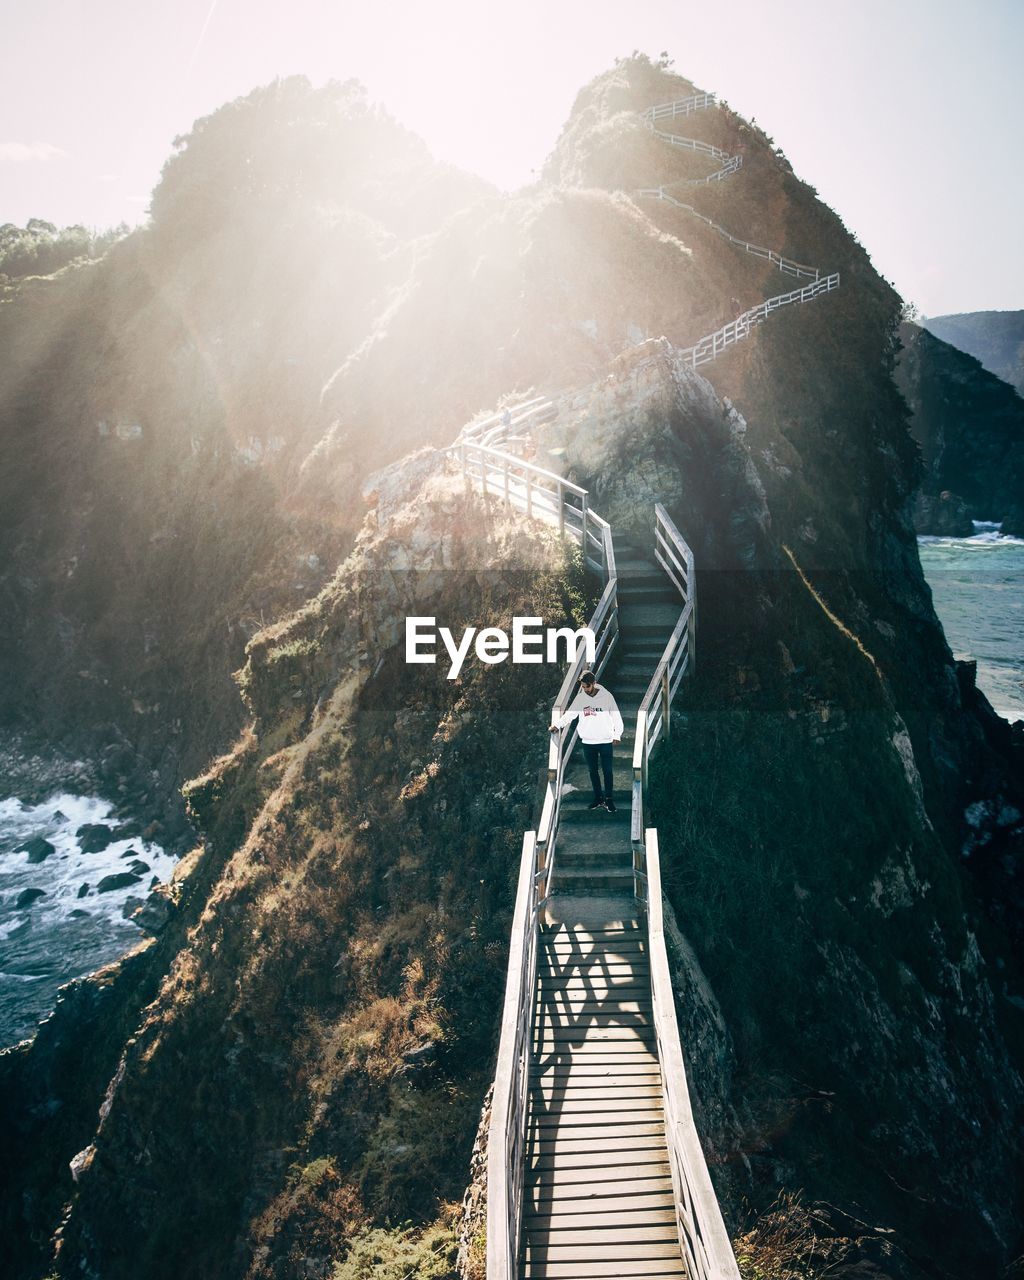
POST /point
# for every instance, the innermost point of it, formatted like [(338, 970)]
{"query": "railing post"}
[(691, 627), (561, 510), (583, 527), (666, 704)]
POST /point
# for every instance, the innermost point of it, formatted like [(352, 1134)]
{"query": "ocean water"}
[(978, 588), (66, 931)]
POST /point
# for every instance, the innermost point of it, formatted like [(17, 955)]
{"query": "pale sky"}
[(904, 114)]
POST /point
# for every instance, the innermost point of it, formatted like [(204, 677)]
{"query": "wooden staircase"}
[(597, 1195)]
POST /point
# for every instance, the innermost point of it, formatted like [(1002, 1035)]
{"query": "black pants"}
[(594, 752)]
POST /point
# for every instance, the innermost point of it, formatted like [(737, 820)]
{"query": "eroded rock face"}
[(945, 515), (655, 430)]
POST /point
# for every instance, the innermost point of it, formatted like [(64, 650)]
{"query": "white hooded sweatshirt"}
[(599, 716)]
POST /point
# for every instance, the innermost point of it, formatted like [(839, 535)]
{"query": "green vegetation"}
[(40, 249), (403, 1253)]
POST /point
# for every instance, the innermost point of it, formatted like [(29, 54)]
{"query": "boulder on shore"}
[(119, 880), (93, 837), (943, 515), (38, 849)]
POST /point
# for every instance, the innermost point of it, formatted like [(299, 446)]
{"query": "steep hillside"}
[(840, 810), (970, 426), (153, 406), (996, 338)]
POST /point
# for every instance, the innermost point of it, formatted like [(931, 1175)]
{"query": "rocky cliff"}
[(996, 338), (970, 425), (289, 1080)]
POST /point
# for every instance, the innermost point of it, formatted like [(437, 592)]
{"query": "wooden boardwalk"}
[(598, 1198)]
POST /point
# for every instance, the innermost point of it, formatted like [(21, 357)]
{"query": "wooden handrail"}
[(506, 1133), (705, 1242), (711, 346)]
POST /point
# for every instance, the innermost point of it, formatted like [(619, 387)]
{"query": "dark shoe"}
[(609, 804), (596, 803)]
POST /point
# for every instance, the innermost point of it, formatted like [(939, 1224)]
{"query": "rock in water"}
[(28, 896), (93, 837), (120, 880), (38, 849)]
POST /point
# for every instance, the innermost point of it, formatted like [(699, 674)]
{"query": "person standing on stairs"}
[(600, 729)]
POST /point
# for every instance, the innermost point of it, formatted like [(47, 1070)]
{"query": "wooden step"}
[(612, 1244), (582, 1186), (597, 967), (563, 941), (579, 1082), (555, 1093), (563, 1165), (579, 934), (646, 1269), (651, 1219), (617, 1128)]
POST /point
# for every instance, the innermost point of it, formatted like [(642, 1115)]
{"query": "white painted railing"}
[(786, 265), (702, 1233), (703, 1237), (654, 717), (681, 107), (712, 345), (692, 144), (605, 626), (500, 427), (506, 1139)]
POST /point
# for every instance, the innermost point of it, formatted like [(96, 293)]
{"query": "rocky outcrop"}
[(970, 426), (944, 515)]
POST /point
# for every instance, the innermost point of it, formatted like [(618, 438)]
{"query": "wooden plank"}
[(633, 952), (562, 1064), (608, 1137), (559, 1192), (609, 972), (654, 1242), (582, 1072), (569, 950), (629, 1222), (585, 1002), (556, 984), (618, 973), (606, 1026), (568, 1082), (633, 929), (546, 1159), (636, 1200), (596, 1041), (582, 1269), (598, 992), (548, 1019), (556, 1104), (585, 941), (594, 1096), (573, 1121), (607, 1052), (585, 1011)]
